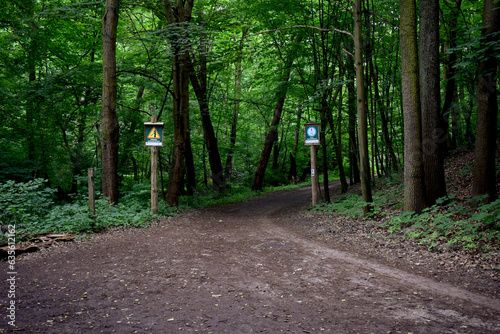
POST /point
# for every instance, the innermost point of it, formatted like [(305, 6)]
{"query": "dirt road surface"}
[(250, 267)]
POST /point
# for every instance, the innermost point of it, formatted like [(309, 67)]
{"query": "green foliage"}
[(50, 75), (473, 225), (353, 205), (235, 193), (23, 203), (350, 205), (208, 197), (451, 223), (31, 207)]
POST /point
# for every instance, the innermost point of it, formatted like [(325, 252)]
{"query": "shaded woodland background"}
[(396, 86)]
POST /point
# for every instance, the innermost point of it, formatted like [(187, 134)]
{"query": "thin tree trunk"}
[(353, 143), (361, 103), (200, 88), (199, 83), (271, 137), (189, 159), (337, 141), (236, 108), (391, 160), (109, 119), (293, 175), (484, 180), (414, 195), (130, 140), (324, 111), (273, 131), (450, 95)]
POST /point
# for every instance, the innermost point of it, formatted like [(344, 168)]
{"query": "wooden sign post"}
[(91, 175), (311, 138), (153, 137)]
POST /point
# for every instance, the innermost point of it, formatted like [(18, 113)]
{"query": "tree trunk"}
[(109, 119), (199, 83), (180, 108), (292, 173), (361, 103), (324, 152), (189, 159), (272, 135), (337, 142), (484, 181), (433, 133), (33, 105), (219, 182), (450, 95), (391, 160), (135, 121), (414, 195), (353, 143), (324, 111), (236, 108), (179, 15)]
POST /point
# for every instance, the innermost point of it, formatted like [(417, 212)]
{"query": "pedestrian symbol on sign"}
[(154, 134)]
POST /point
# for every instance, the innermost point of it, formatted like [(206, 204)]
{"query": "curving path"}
[(240, 268)]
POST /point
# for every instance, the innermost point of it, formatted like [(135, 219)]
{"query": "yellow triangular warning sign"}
[(154, 134)]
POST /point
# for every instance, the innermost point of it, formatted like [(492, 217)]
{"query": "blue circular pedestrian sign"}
[(311, 134)]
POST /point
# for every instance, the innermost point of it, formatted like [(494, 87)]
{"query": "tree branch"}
[(166, 86), (300, 26)]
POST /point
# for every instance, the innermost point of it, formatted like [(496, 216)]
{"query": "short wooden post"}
[(91, 187), (314, 177), (154, 175)]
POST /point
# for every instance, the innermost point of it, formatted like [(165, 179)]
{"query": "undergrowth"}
[(32, 208), (449, 222), (472, 224)]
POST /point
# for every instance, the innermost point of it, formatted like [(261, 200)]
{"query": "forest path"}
[(239, 268)]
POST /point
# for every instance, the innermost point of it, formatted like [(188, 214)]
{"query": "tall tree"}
[(433, 133), (484, 181), (109, 119), (198, 79), (351, 105), (414, 195), (272, 134), (337, 141), (199, 83), (450, 95), (237, 103), (364, 162), (178, 17)]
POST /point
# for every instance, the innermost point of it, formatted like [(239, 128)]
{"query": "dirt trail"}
[(239, 268)]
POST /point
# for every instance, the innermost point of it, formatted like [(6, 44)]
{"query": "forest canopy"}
[(395, 85)]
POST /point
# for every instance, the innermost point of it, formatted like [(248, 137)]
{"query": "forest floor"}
[(266, 265)]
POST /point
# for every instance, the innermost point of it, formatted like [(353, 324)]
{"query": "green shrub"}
[(448, 222), (31, 207), (69, 218), (24, 202)]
